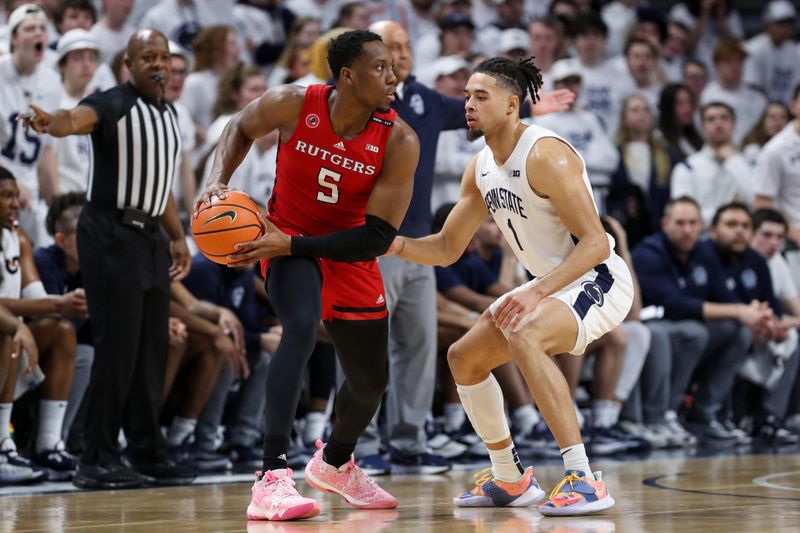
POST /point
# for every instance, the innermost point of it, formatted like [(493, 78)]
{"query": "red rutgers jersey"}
[(323, 182)]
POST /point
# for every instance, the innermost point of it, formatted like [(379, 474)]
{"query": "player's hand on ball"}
[(515, 307), (273, 243), (213, 189), (39, 120)]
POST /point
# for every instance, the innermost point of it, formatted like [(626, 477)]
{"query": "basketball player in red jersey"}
[(345, 178)]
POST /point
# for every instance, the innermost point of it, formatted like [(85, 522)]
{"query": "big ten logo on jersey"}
[(23, 148), (514, 173), (598, 99)]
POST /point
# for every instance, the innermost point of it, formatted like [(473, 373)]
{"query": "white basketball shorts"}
[(599, 300)]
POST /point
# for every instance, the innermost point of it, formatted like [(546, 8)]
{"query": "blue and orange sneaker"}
[(578, 494), (491, 492)]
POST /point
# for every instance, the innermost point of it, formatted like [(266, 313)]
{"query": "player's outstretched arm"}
[(445, 247), (386, 208), (555, 171), (62, 122), (279, 107)]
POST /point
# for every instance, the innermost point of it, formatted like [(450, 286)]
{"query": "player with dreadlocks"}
[(535, 186)]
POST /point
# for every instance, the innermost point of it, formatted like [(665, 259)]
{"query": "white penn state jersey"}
[(11, 274), (530, 223), (20, 149)]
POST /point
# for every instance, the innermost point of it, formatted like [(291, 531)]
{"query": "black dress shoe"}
[(107, 477), (166, 472)]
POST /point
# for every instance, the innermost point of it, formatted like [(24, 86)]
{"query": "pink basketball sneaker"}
[(275, 498), (349, 482)]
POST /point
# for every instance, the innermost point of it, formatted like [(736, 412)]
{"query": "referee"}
[(125, 262)]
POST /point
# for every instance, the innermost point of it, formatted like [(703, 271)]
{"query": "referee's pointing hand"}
[(40, 120)]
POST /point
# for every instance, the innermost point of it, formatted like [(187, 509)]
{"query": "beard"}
[(474, 134), (384, 109)]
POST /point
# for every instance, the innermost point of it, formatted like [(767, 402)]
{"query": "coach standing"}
[(125, 262)]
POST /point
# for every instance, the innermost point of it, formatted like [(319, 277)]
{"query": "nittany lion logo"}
[(594, 292), (312, 120)]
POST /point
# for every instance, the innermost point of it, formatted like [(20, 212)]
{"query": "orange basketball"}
[(225, 223)]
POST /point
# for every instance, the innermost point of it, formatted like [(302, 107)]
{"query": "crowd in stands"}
[(687, 119)]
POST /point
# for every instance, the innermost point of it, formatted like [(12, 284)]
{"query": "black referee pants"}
[(125, 275)]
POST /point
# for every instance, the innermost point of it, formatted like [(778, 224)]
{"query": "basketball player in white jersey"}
[(535, 185), (23, 294)]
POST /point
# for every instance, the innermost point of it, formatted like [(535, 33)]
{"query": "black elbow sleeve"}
[(356, 244)]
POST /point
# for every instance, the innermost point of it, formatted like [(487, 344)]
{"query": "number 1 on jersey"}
[(511, 227), (328, 180)]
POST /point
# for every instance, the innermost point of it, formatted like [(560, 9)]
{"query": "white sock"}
[(506, 465), (525, 418), (483, 402), (454, 417), (315, 426), (575, 459), (5, 420), (180, 429), (51, 417), (605, 412)]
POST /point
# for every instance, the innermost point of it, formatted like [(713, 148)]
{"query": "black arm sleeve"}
[(355, 244)]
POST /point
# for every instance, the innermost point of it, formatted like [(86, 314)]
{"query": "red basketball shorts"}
[(350, 291)]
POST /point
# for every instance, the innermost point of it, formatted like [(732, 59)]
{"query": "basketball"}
[(226, 223)]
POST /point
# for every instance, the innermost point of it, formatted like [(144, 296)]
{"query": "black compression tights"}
[(294, 288)]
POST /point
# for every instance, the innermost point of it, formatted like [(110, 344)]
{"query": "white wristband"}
[(34, 290)]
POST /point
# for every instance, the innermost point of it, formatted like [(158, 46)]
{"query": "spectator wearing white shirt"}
[(78, 56), (326, 11), (547, 37), (729, 56), (293, 63), (514, 43), (773, 62), (769, 238), (510, 14), (80, 14), (673, 51), (776, 117), (455, 37), (695, 77), (645, 163), (605, 84), (710, 21), (778, 173), (641, 58), (112, 31), (184, 186), (25, 80), (262, 27), (620, 18), (353, 15), (449, 75), (182, 20), (216, 49), (240, 85), (718, 173), (582, 129)]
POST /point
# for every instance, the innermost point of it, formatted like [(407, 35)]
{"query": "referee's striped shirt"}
[(136, 147)]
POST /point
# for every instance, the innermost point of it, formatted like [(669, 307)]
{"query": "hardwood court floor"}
[(722, 494)]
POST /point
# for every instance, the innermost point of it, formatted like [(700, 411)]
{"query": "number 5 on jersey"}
[(328, 180)]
